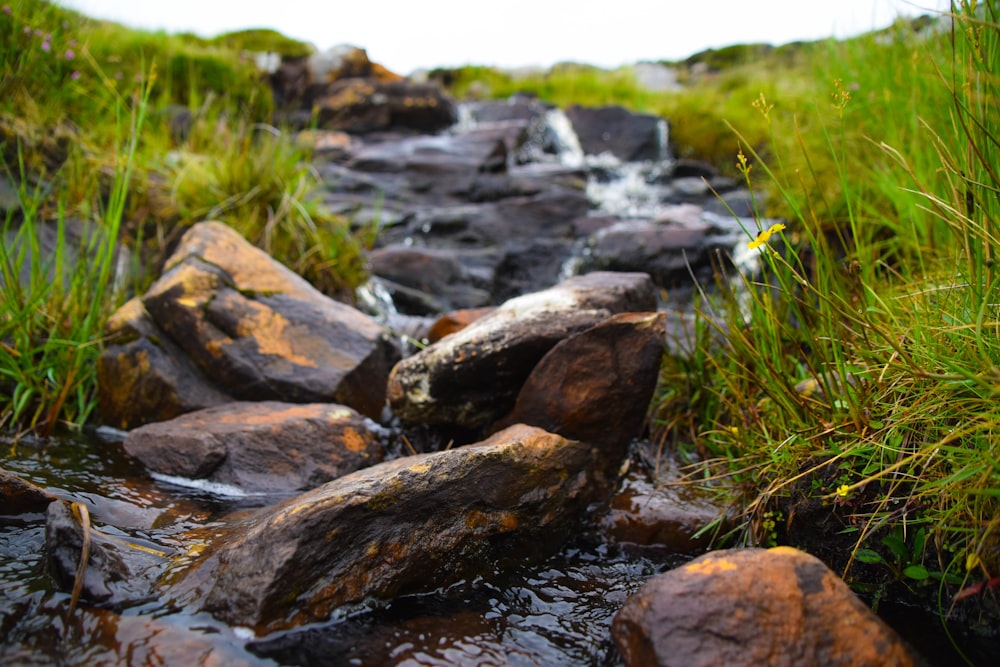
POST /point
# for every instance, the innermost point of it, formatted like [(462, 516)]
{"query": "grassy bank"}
[(112, 142), (851, 390)]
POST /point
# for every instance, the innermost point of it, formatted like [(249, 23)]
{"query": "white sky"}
[(405, 35)]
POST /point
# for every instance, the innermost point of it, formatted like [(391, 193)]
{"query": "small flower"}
[(46, 47), (75, 75), (741, 164), (6, 10), (761, 105), (70, 54), (843, 490), (765, 235)]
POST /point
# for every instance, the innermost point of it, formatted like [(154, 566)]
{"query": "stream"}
[(555, 612)]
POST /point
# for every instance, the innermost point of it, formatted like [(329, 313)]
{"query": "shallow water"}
[(554, 613), (557, 612)]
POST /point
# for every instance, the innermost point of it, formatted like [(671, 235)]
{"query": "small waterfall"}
[(564, 139), (663, 141)]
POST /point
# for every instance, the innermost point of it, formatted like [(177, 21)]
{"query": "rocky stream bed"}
[(450, 471)]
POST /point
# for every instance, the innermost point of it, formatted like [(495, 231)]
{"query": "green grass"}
[(853, 387), (855, 383), (89, 116)]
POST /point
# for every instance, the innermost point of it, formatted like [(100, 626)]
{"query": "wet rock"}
[(596, 385), (667, 252), (102, 637), (472, 378), (120, 572), (19, 496), (463, 154), (405, 526), (628, 136), (266, 446), (143, 376), (776, 607), (261, 332), (438, 277), (662, 514)]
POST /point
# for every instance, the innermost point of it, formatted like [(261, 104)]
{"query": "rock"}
[(438, 277), (472, 378), (119, 572), (259, 331), (19, 496), (345, 61), (669, 253), (108, 638), (630, 137), (662, 514), (455, 321), (260, 447), (410, 525), (143, 376), (461, 155), (361, 106), (775, 607), (596, 386)]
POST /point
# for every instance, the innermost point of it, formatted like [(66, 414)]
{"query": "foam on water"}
[(214, 488)]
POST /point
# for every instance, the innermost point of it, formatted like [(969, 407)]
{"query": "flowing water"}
[(557, 612)]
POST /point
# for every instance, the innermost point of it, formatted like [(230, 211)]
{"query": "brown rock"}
[(596, 386), (360, 105), (405, 526), (662, 514), (754, 607), (144, 377), (261, 332), (266, 446), (455, 321), (19, 496), (472, 378)]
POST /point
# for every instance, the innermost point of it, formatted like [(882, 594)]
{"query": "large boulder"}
[(252, 327), (471, 378), (259, 447), (410, 525), (779, 607), (144, 377), (596, 385)]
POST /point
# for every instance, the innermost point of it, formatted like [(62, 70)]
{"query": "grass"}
[(854, 384), (845, 400), (112, 143)]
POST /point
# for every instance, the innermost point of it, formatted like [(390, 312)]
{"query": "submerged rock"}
[(660, 513), (267, 446), (472, 378), (748, 607), (411, 525), (19, 496), (119, 572)]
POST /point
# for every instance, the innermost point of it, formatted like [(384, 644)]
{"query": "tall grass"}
[(89, 144), (853, 385)]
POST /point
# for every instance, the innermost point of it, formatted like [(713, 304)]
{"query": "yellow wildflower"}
[(843, 490), (765, 234)]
